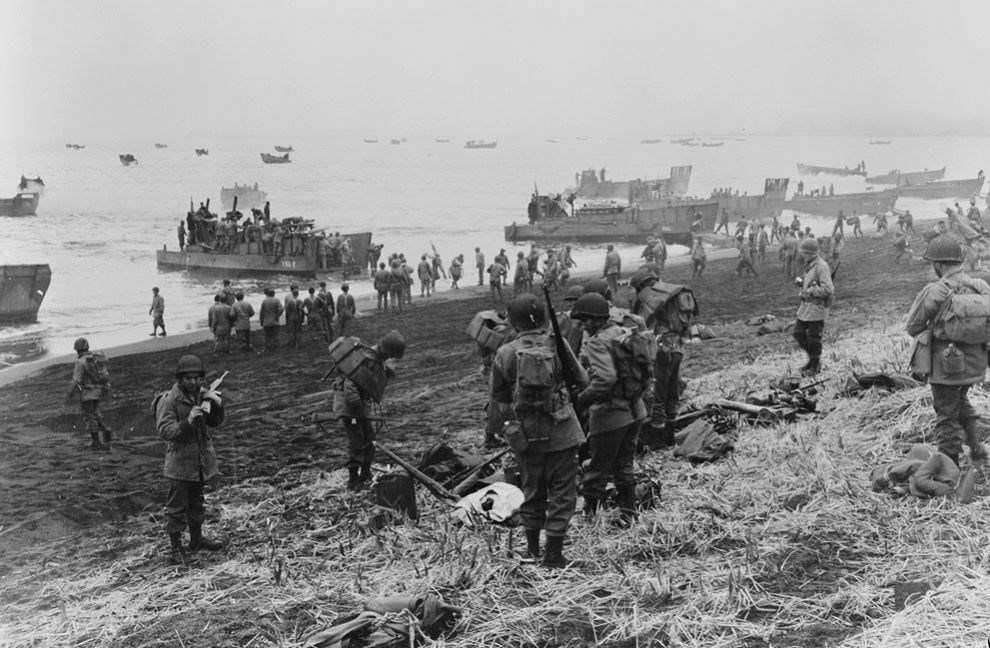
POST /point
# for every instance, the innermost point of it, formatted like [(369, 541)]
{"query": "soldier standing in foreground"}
[(817, 293), (184, 415), (527, 375), (951, 366), (91, 380), (157, 312)]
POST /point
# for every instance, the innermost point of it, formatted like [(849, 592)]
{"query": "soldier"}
[(615, 410), (613, 268), (397, 285), (269, 314), (503, 258), (91, 381), (817, 294), (157, 312), (325, 306), (314, 318), (856, 224), (723, 222), (345, 308), (762, 241), (243, 312), (352, 404), (456, 271), (546, 433), (407, 273), (479, 262), (374, 253), (184, 416), (425, 273), (220, 318), (381, 286), (496, 273), (953, 365), (699, 258), (229, 294), (660, 251), (745, 263), (293, 317), (182, 235)]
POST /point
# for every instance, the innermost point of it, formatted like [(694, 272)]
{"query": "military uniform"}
[(270, 312), (90, 392), (243, 312), (817, 292), (220, 318)]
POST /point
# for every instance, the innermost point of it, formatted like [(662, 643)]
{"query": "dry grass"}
[(721, 562)]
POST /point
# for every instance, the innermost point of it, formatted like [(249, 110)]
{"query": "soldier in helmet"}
[(353, 404), (184, 416), (243, 312), (528, 390), (91, 381), (269, 313), (615, 413), (953, 365), (345, 308), (612, 269), (817, 294), (221, 318)]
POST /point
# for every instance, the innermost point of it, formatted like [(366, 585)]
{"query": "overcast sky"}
[(76, 69)]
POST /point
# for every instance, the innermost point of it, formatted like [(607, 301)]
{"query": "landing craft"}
[(22, 289)]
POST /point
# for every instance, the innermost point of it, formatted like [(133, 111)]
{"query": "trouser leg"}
[(667, 373), (947, 401), (184, 505), (550, 487)]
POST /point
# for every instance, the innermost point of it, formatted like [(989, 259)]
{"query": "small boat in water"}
[(682, 140), (127, 159), (23, 204), (31, 185), (247, 197), (159, 145), (810, 169), (552, 141), (879, 142), (75, 147), (896, 177), (283, 149), (955, 189), (480, 144), (370, 141), (22, 289), (649, 141), (441, 141), (395, 141), (713, 144), (201, 152), (268, 158)]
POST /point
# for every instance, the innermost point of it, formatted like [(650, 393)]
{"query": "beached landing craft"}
[(867, 202), (480, 144), (593, 186), (127, 159), (954, 189), (896, 177), (268, 158), (767, 205), (810, 169), (22, 289), (244, 196), (283, 149)]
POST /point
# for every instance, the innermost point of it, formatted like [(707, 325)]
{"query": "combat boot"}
[(95, 436), (553, 557), (177, 555), (354, 481), (532, 553), (198, 541), (591, 506), (626, 500)]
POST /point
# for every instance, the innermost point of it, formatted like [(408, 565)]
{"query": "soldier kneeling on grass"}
[(184, 416)]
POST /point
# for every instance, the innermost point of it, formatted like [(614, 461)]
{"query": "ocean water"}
[(99, 223)]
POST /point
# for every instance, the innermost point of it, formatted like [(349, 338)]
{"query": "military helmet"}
[(945, 249), (808, 245), (82, 344), (393, 344), (590, 305), (189, 364), (525, 312), (599, 286), (642, 276), (573, 292)]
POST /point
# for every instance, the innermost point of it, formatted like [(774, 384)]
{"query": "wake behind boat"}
[(810, 169)]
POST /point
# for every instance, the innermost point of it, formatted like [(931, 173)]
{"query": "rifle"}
[(431, 485), (326, 418), (568, 370), (471, 478)]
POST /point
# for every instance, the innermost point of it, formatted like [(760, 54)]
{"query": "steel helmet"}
[(573, 292), (82, 344), (945, 249), (590, 305), (393, 344), (189, 364), (525, 312), (599, 286), (641, 278), (808, 245)]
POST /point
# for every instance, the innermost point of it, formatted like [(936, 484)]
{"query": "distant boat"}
[(370, 141), (23, 204), (713, 143), (394, 141), (268, 158), (683, 140), (22, 289), (879, 142), (552, 141), (127, 159), (480, 144), (956, 189), (649, 141), (247, 197), (810, 169), (75, 146), (581, 139), (202, 151), (895, 177), (441, 141), (159, 145), (31, 185), (283, 149)]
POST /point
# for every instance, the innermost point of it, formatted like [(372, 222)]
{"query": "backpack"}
[(670, 305), (351, 358), (96, 369), (536, 378), (966, 317), (490, 330), (633, 354)]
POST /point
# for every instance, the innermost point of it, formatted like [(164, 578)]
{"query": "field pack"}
[(96, 369), (536, 378), (490, 330), (633, 354), (966, 318), (670, 304), (352, 358)]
